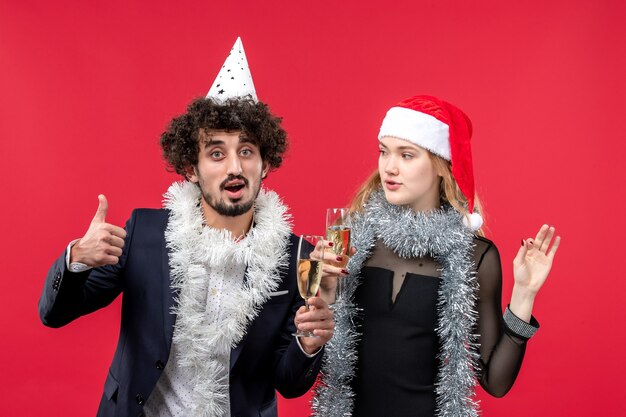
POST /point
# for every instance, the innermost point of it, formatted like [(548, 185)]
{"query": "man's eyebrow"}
[(211, 142), (217, 142)]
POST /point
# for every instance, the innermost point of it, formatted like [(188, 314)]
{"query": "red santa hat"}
[(442, 129)]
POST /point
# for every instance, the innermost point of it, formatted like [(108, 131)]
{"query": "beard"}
[(232, 208)]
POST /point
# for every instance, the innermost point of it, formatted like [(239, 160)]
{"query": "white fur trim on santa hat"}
[(419, 128)]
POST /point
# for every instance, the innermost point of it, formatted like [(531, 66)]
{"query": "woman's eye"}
[(407, 155), (382, 152)]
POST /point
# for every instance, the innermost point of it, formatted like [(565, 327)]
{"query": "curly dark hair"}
[(180, 142)]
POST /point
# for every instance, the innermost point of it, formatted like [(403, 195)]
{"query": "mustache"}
[(232, 178)]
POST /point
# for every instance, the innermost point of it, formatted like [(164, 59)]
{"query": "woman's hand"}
[(531, 268), (334, 269), (533, 262)]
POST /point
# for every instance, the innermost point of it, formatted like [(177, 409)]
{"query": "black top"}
[(397, 364)]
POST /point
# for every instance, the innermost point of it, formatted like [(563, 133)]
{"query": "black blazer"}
[(267, 359)]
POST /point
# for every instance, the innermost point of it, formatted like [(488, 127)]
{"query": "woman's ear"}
[(440, 169)]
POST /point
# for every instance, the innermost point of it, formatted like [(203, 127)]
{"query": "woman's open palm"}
[(533, 262)]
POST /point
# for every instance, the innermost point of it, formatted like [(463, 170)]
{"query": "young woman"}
[(420, 319)]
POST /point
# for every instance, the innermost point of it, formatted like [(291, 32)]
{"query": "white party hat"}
[(234, 79)]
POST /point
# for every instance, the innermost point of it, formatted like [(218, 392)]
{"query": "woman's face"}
[(408, 175)]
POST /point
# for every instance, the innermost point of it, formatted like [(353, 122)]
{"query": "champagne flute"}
[(338, 228), (310, 268)]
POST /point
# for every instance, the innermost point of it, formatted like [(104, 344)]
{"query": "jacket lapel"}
[(169, 295)]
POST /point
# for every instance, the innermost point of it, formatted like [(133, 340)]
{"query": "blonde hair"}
[(449, 191)]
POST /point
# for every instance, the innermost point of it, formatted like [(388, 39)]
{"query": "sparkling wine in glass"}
[(310, 268), (338, 228)]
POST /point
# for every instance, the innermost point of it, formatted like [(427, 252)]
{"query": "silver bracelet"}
[(518, 326)]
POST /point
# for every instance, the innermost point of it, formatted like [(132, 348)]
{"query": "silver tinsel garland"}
[(194, 251), (441, 235)]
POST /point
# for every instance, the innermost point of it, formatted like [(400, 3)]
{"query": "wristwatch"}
[(77, 267)]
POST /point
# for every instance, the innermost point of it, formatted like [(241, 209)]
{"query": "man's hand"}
[(103, 242), (319, 320)]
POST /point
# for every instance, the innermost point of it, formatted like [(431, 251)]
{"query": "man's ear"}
[(266, 169), (191, 173)]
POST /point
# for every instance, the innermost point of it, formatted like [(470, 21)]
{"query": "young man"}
[(209, 281)]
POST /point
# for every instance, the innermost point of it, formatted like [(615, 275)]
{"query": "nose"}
[(234, 165), (391, 167)]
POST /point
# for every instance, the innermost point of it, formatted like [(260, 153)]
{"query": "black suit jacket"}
[(267, 359)]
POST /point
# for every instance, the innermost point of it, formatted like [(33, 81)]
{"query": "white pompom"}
[(473, 221)]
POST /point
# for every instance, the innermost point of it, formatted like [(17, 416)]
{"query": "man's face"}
[(229, 173)]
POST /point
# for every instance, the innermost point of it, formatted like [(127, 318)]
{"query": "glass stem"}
[(338, 292)]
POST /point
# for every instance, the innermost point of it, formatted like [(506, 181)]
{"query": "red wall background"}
[(87, 87)]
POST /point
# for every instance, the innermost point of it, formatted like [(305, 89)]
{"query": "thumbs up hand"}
[(103, 242)]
